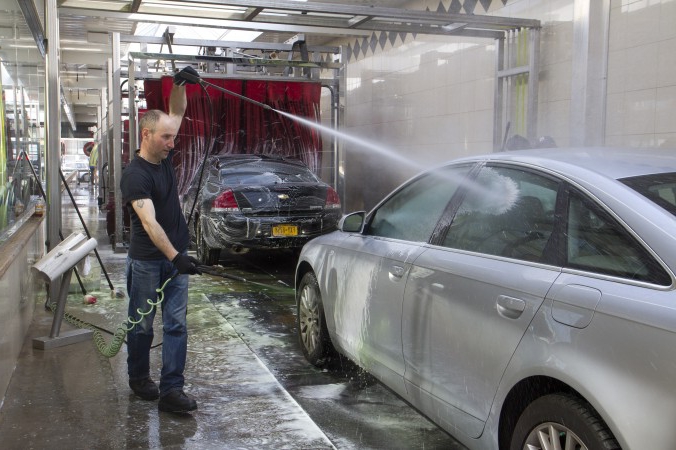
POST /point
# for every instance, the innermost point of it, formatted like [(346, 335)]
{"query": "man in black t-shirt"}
[(157, 257)]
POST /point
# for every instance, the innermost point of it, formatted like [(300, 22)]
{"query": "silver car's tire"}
[(312, 332), (561, 421), (207, 256)]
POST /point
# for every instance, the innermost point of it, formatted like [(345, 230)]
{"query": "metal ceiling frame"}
[(297, 17)]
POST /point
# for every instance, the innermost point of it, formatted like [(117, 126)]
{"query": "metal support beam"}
[(116, 100), (515, 107), (52, 125), (212, 23), (133, 110), (533, 83), (499, 135), (263, 46), (52, 131), (590, 71)]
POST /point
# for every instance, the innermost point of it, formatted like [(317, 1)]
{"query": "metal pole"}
[(25, 140), (131, 85), (61, 303), (498, 96), (341, 89), (15, 151), (52, 131), (533, 83), (53, 124), (116, 117), (105, 153)]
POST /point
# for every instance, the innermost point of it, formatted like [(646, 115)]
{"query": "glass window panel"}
[(412, 213), (659, 188), (21, 121), (598, 243), (506, 212)]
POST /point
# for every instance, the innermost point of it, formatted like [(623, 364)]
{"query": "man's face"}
[(161, 139)]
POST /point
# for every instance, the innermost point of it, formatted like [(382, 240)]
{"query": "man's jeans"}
[(143, 278)]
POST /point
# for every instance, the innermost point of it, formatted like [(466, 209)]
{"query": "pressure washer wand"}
[(203, 83)]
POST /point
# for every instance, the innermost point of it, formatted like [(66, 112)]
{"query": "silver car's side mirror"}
[(352, 223)]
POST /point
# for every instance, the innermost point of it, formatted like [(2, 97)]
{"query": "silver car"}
[(520, 300)]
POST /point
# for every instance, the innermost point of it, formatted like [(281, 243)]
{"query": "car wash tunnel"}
[(309, 224)]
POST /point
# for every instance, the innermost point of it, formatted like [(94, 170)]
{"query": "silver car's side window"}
[(506, 212), (412, 213), (595, 242)]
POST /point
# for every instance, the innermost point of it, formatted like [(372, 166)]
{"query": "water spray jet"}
[(322, 128)]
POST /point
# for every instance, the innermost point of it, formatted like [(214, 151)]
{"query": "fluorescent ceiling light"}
[(83, 49)]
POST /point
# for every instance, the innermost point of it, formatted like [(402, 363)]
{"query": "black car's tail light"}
[(225, 202), (332, 199)]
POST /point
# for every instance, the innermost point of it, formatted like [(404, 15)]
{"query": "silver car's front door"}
[(367, 308), (372, 267)]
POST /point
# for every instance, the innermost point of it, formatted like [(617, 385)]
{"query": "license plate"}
[(285, 230)]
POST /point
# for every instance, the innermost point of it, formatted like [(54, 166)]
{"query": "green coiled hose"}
[(112, 349)]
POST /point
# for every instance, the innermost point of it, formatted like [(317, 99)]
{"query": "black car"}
[(257, 202)]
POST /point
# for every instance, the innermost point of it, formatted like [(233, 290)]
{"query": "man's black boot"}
[(177, 402), (145, 388)]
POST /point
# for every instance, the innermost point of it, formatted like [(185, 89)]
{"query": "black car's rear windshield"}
[(659, 188), (266, 172)]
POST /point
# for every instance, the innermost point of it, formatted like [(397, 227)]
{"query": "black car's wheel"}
[(207, 256), (314, 337), (561, 421)]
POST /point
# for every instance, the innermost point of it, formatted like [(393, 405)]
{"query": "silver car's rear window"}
[(659, 188)]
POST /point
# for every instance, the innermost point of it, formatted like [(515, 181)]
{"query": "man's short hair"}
[(150, 119)]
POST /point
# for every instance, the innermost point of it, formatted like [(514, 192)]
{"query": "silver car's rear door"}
[(464, 315), (469, 300)]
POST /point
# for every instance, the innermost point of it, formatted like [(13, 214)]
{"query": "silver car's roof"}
[(610, 162)]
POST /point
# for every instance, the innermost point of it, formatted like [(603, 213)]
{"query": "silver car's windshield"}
[(659, 188)]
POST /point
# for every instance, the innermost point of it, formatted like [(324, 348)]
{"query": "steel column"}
[(116, 100)]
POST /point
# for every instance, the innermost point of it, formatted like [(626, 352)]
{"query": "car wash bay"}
[(245, 368)]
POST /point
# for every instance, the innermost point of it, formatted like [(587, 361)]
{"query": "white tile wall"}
[(431, 98), (642, 73)]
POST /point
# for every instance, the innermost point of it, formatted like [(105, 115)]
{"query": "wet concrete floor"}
[(245, 368)]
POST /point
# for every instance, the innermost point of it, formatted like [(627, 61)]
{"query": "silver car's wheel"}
[(553, 436), (314, 337), (561, 422)]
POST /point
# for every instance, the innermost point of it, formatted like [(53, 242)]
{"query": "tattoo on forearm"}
[(139, 203)]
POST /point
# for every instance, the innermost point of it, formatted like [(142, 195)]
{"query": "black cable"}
[(207, 152)]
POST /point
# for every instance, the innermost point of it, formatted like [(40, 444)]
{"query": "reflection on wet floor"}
[(245, 367)]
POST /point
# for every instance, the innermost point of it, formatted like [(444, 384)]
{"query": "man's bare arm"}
[(146, 211), (178, 103)]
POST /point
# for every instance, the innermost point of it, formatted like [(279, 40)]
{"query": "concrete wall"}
[(19, 291), (423, 100)]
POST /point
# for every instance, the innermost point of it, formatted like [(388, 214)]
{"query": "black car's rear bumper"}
[(257, 232)]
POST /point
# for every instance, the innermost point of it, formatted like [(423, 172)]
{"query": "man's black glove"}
[(186, 264), (180, 77)]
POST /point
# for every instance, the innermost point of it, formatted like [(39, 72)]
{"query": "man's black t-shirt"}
[(142, 179)]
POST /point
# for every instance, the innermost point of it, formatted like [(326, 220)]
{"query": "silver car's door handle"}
[(397, 272), (510, 307)]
